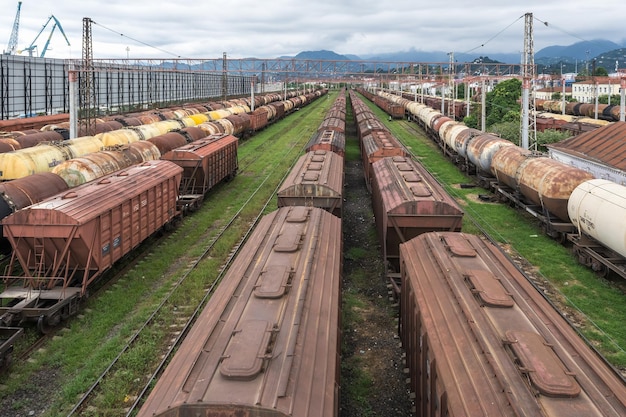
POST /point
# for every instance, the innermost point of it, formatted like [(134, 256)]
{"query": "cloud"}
[(245, 28)]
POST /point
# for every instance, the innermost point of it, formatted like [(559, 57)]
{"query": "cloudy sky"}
[(272, 28)]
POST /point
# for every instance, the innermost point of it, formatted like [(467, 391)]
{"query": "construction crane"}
[(45, 48), (16, 27)]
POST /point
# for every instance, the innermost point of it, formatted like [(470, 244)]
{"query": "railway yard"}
[(117, 349)]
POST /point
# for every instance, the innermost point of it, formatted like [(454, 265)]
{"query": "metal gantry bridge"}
[(322, 69), (33, 85)]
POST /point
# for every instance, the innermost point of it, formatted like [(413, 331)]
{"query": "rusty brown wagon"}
[(481, 340), (328, 140), (65, 242), (205, 162), (316, 180), (408, 201), (267, 342), (376, 146)]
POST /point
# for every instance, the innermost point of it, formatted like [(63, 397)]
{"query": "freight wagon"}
[(408, 201), (316, 180), (328, 140), (267, 342), (205, 162), (63, 243), (480, 340)]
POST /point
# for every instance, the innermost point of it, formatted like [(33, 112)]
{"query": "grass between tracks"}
[(595, 306), (86, 346)]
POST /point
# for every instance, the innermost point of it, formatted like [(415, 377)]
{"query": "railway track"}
[(186, 315), (251, 151)]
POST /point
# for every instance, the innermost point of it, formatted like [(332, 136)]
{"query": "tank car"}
[(545, 183), (267, 341), (597, 208), (77, 171), (480, 340), (63, 243), (316, 180)]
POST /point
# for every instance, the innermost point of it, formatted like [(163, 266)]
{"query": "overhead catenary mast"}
[(528, 125)]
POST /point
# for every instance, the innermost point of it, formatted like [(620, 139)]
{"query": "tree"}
[(509, 130), (549, 136), (604, 99), (601, 72), (502, 102)]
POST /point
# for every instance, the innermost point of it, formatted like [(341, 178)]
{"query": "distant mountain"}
[(579, 51), (323, 54), (553, 59)]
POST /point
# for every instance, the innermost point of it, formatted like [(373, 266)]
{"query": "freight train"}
[(25, 158), (87, 158), (64, 242), (481, 340), (268, 340), (407, 200), (538, 184)]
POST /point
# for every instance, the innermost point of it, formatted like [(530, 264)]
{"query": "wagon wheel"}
[(46, 323), (42, 325), (600, 269)]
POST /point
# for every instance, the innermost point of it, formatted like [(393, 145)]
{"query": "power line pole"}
[(86, 87), (224, 77)]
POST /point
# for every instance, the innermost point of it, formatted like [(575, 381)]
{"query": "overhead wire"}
[(545, 23), (138, 41), (493, 37)]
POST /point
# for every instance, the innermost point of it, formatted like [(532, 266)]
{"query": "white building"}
[(586, 91)]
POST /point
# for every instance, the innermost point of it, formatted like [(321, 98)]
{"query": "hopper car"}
[(267, 341), (331, 134), (533, 182), (59, 277), (328, 140), (480, 340), (315, 181), (63, 243), (205, 162), (375, 140), (408, 201)]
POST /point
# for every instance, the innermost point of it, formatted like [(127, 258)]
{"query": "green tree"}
[(471, 121), (549, 136), (509, 130), (604, 99), (601, 72), (503, 102)]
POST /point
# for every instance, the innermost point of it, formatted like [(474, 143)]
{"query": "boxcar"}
[(378, 145), (480, 340), (328, 140), (65, 242), (267, 342), (205, 162), (316, 180), (408, 201)]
